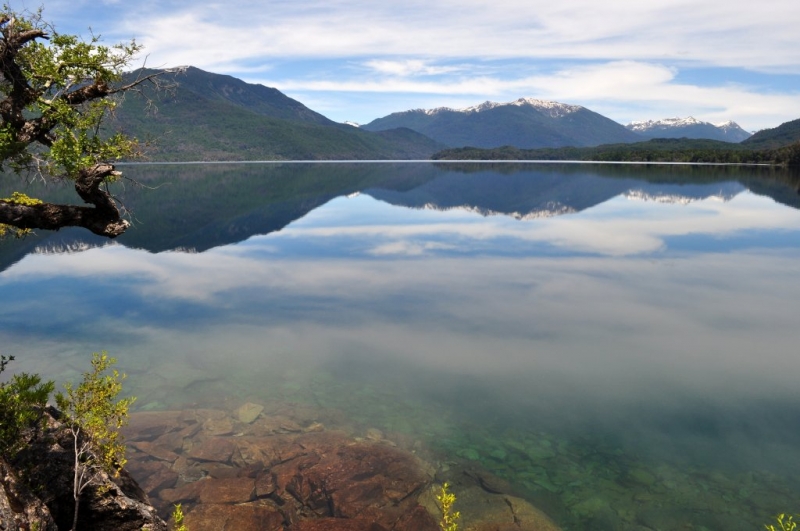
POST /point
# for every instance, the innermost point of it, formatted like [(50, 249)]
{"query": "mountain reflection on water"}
[(618, 342)]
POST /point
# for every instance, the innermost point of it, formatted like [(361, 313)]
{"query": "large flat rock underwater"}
[(282, 469)]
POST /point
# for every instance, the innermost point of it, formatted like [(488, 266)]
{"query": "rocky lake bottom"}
[(279, 465)]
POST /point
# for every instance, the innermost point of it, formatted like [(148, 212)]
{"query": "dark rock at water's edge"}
[(36, 491), (19, 507)]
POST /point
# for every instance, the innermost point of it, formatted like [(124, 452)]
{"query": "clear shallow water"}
[(622, 347)]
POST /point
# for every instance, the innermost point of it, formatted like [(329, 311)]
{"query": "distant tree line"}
[(659, 150)]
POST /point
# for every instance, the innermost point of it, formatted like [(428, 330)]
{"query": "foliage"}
[(67, 83), (17, 198), (446, 499), (177, 519), (56, 92), (94, 416), (95, 413), (22, 402), (785, 523)]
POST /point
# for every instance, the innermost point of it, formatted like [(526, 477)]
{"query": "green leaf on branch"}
[(95, 412)]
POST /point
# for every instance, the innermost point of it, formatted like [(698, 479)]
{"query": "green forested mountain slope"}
[(783, 135), (212, 117), (259, 99)]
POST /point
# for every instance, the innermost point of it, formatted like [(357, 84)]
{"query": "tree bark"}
[(103, 219)]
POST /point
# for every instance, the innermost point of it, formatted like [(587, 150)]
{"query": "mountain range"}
[(525, 123), (206, 116), (689, 128)]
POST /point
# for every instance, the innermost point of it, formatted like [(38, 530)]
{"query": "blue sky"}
[(358, 60)]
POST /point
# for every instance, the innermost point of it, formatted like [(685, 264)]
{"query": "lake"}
[(618, 342)]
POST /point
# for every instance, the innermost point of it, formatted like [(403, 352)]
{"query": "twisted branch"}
[(103, 219)]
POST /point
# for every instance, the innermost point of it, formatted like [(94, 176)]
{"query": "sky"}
[(357, 60)]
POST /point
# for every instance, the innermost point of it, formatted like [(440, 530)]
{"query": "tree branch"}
[(104, 219), (140, 80), (97, 90), (21, 93), (53, 96), (25, 37)]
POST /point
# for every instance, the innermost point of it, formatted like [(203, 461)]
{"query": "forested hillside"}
[(207, 116), (659, 150), (786, 133)]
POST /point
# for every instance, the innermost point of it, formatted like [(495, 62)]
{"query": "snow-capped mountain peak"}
[(552, 108), (689, 127), (665, 122), (730, 126)]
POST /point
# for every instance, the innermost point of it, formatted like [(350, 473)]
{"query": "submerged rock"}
[(641, 476), (219, 449), (469, 453), (489, 482), (234, 517), (484, 511), (374, 434), (249, 412), (277, 475)]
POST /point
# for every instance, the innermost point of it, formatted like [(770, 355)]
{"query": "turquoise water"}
[(620, 343)]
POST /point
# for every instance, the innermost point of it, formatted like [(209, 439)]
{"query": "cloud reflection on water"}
[(615, 321)]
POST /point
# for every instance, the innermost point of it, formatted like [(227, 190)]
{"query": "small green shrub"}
[(446, 499), (785, 523), (177, 519), (22, 402), (94, 415)]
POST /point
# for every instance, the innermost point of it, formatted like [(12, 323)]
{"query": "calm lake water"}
[(618, 342)]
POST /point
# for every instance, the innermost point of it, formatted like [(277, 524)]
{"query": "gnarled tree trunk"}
[(103, 218)]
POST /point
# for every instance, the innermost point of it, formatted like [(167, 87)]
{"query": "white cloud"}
[(406, 248), (653, 86), (743, 34), (487, 86), (623, 90), (408, 67), (463, 48)]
